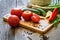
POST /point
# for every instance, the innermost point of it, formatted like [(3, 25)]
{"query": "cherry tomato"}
[(27, 15), (13, 20), (35, 18), (17, 12)]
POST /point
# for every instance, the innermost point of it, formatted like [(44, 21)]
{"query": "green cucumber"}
[(59, 9), (33, 10), (42, 12)]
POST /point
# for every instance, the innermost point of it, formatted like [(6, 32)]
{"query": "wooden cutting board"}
[(42, 27)]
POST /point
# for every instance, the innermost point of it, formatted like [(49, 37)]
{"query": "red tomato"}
[(13, 20), (35, 15), (17, 12), (35, 18), (27, 15)]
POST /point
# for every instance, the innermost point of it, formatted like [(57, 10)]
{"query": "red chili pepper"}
[(54, 14)]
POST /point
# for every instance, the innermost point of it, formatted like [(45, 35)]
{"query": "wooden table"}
[(6, 33)]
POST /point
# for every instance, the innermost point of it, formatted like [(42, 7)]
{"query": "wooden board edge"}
[(32, 28)]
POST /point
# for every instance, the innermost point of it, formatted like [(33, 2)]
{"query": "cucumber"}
[(42, 12), (33, 10), (59, 9)]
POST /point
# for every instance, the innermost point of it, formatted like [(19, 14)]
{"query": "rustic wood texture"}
[(6, 33)]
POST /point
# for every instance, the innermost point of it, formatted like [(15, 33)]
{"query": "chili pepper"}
[(54, 14)]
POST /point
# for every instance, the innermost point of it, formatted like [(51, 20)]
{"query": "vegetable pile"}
[(52, 15), (27, 15), (32, 14)]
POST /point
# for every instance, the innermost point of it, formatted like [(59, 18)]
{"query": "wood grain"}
[(30, 25)]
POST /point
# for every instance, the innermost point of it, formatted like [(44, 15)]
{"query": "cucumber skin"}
[(42, 12), (32, 10), (38, 11)]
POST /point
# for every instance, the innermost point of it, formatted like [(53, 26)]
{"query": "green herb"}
[(56, 21)]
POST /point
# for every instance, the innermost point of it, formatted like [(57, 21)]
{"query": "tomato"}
[(35, 18), (13, 20), (17, 12), (27, 15)]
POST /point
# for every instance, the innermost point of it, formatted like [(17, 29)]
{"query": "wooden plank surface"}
[(6, 33)]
